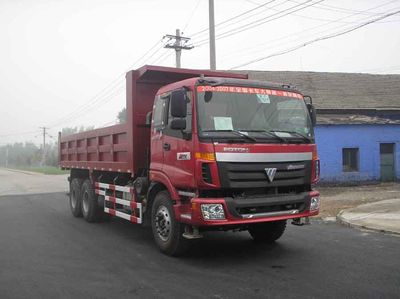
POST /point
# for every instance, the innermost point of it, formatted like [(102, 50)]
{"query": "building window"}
[(350, 159)]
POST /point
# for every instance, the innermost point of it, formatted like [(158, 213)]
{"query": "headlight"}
[(213, 211), (314, 204)]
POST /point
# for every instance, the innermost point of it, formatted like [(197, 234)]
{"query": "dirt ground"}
[(25, 182), (335, 199)]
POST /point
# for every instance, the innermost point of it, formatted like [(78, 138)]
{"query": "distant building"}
[(358, 123)]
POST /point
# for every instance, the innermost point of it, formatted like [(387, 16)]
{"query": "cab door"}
[(178, 147), (157, 128)]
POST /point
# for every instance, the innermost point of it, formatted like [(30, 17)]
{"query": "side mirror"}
[(313, 113), (178, 124), (178, 103)]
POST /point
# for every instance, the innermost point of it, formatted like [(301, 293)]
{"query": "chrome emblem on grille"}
[(270, 173), (295, 167)]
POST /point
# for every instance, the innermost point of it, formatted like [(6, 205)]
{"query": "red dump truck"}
[(200, 150)]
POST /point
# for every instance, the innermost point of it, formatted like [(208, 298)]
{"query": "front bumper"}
[(248, 210)]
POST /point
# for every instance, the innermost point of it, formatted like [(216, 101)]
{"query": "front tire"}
[(267, 232), (75, 198), (167, 231)]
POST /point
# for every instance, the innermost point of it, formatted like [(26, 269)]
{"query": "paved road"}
[(25, 182), (46, 253)]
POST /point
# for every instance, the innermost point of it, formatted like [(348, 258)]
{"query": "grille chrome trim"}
[(270, 214), (263, 157)]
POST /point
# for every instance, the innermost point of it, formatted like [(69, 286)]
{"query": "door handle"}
[(166, 146)]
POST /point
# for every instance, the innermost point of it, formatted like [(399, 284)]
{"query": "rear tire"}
[(75, 198), (167, 231), (267, 232), (90, 208)]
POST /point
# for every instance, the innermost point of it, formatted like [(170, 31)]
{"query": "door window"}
[(159, 117), (176, 133)]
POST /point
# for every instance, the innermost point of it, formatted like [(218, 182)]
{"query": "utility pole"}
[(213, 59), (178, 43), (44, 146)]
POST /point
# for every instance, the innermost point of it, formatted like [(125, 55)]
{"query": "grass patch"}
[(44, 170)]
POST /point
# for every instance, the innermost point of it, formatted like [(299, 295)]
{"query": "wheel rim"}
[(73, 199), (163, 223), (85, 202)]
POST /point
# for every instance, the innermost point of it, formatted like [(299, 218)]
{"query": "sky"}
[(63, 62)]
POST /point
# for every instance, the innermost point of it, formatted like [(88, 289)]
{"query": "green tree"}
[(122, 116)]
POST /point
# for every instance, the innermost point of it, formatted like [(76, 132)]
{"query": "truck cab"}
[(234, 152)]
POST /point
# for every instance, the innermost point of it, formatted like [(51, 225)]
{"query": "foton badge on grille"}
[(270, 173)]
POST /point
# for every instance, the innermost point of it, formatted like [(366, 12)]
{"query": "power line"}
[(95, 102), (145, 54), (317, 40), (261, 21), (81, 113), (105, 97), (19, 133), (301, 32), (162, 57), (104, 94), (324, 6), (235, 17), (191, 16), (330, 20)]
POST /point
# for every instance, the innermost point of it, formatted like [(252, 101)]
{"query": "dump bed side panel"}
[(100, 149)]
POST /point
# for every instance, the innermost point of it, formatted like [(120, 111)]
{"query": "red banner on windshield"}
[(252, 90)]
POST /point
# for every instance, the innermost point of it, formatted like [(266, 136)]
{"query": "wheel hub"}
[(163, 223), (85, 202), (73, 199)]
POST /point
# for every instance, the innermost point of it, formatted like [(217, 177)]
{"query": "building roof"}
[(327, 117), (340, 90)]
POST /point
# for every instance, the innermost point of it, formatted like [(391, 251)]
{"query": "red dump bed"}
[(124, 147)]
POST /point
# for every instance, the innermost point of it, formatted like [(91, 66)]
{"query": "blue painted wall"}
[(331, 139)]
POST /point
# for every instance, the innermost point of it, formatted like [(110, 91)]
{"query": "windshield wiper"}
[(268, 133), (234, 131), (295, 134)]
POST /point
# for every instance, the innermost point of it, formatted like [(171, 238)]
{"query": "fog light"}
[(213, 211), (314, 203)]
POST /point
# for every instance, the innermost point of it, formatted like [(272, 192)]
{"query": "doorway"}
[(388, 173)]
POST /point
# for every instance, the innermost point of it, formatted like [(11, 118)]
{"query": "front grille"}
[(281, 203), (241, 175)]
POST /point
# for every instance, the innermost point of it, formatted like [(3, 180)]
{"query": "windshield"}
[(257, 112)]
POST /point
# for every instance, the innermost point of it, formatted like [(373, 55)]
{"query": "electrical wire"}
[(19, 133), (330, 20), (259, 22), (166, 57), (104, 95), (110, 96), (327, 7), (316, 40), (205, 30), (301, 32), (191, 16), (162, 57)]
